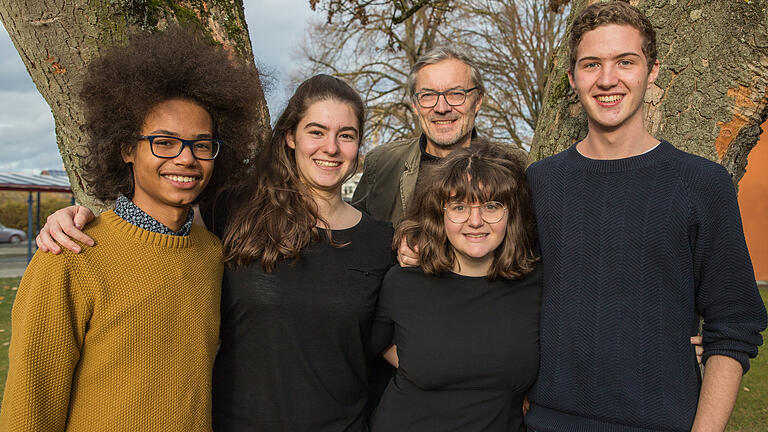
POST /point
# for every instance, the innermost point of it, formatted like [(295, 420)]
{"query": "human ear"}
[(654, 73), (290, 140)]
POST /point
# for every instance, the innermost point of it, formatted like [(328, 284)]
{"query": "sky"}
[(27, 138)]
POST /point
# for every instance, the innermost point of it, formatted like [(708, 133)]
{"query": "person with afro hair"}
[(123, 336)]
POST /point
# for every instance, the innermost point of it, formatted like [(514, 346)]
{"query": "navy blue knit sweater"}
[(634, 251)]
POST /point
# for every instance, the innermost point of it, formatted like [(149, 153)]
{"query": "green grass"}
[(8, 288), (749, 415), (751, 410)]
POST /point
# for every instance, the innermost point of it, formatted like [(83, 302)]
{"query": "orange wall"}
[(753, 203)]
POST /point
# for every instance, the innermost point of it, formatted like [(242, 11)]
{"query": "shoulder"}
[(701, 176), (206, 239), (399, 279), (376, 228), (543, 165), (392, 151)]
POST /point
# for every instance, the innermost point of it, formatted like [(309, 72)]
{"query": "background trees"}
[(56, 39), (710, 98)]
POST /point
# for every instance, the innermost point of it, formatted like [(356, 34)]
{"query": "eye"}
[(164, 141), (590, 65), (493, 206), (316, 132), (458, 207), (626, 62), (348, 136), (204, 145)]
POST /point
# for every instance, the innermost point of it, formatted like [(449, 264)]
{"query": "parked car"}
[(11, 235)]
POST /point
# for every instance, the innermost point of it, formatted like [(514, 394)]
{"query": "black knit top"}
[(634, 251)]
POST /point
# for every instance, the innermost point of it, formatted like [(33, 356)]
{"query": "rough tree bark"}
[(57, 38), (712, 92)]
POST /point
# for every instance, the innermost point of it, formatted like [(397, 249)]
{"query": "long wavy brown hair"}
[(483, 172), (275, 216)]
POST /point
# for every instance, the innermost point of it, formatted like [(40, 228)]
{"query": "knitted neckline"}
[(616, 165), (144, 236)]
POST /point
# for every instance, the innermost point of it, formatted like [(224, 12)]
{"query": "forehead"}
[(443, 75), (609, 41), (180, 116), (330, 112)]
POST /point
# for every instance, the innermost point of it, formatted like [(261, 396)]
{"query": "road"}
[(13, 259)]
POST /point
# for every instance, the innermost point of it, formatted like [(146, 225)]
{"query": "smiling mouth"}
[(180, 179), (609, 99), (476, 236), (443, 122), (324, 163)]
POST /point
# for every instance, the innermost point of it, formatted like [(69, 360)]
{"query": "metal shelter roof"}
[(35, 182)]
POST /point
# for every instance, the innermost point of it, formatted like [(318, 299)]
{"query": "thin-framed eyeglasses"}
[(453, 97), (490, 211), (169, 147)]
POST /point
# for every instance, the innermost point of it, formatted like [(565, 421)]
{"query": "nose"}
[(607, 77), (331, 146), (475, 218), (442, 105), (186, 157)]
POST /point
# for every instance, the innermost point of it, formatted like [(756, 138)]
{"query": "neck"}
[(443, 151), (172, 217), (626, 141), (472, 268), (337, 213)]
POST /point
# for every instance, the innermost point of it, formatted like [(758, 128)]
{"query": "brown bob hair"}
[(612, 12), (480, 173), (274, 215)]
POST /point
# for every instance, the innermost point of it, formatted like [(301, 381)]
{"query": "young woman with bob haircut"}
[(465, 323), (123, 336)]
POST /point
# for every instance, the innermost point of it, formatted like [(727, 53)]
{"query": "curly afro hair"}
[(120, 88)]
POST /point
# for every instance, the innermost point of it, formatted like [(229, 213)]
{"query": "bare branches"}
[(512, 42)]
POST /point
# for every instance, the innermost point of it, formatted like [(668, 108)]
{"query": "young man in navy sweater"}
[(638, 241)]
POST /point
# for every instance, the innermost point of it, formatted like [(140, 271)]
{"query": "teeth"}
[(182, 179), (612, 98), (443, 121), (475, 235), (327, 163)]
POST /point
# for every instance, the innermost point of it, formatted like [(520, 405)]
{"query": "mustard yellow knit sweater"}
[(120, 337)]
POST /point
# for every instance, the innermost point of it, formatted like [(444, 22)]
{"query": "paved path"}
[(13, 259)]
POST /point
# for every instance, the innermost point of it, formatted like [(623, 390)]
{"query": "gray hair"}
[(438, 54)]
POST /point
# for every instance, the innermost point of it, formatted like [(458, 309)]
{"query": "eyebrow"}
[(433, 90), (175, 134), (324, 127), (626, 54)]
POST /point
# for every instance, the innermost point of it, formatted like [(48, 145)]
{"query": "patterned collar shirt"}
[(131, 213)]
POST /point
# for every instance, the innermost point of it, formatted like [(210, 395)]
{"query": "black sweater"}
[(468, 350), (634, 251), (294, 341)]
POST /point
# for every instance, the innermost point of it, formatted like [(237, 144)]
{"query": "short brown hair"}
[(482, 172), (612, 12)]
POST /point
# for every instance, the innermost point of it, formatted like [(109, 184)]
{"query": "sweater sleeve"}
[(49, 320), (383, 324), (727, 295)]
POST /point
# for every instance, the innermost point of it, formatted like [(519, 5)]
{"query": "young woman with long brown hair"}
[(465, 322), (299, 294)]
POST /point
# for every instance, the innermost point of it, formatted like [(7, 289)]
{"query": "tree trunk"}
[(712, 92), (57, 38)]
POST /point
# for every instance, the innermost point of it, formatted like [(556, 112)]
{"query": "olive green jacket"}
[(389, 180)]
